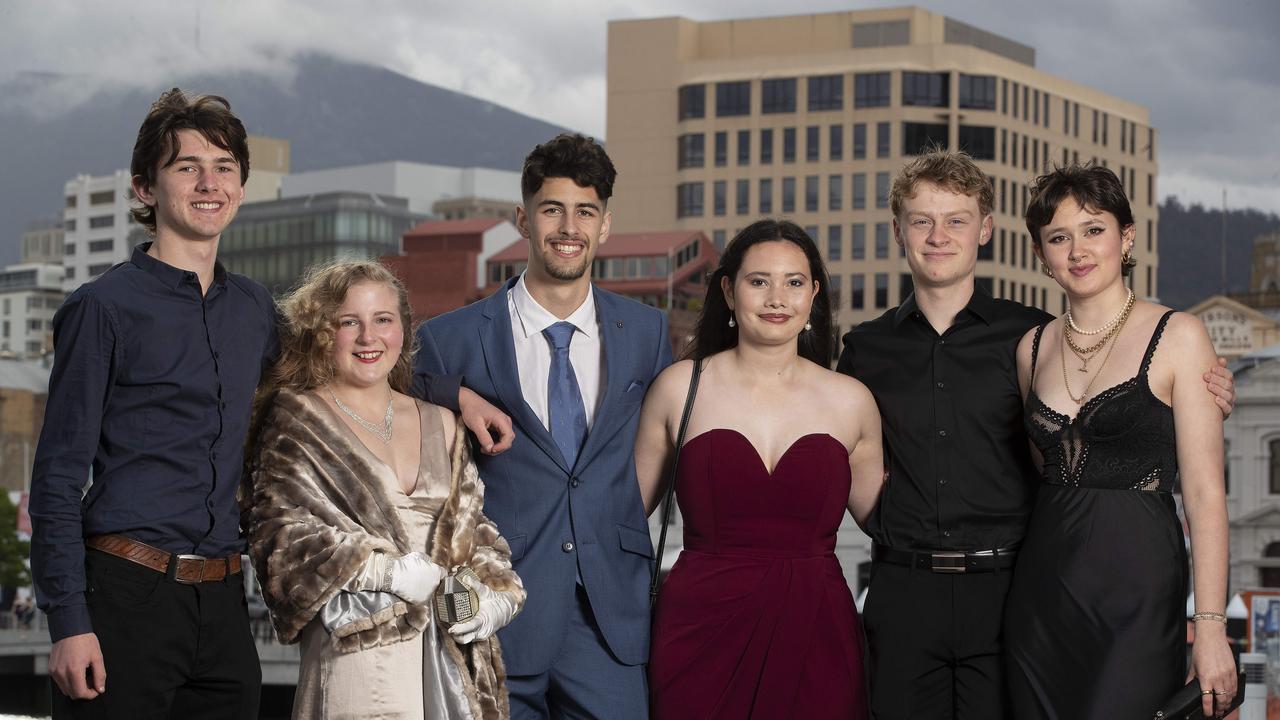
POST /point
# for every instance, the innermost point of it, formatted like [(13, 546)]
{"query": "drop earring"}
[(808, 326), (731, 322)]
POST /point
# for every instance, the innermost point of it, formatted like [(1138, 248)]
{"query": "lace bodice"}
[(1122, 438)]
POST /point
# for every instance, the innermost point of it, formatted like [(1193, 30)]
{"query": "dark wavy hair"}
[(157, 145), (573, 156), (1096, 188), (713, 333)]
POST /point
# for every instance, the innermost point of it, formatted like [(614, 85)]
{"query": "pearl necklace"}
[(382, 433)]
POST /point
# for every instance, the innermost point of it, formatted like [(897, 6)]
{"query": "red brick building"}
[(442, 262)]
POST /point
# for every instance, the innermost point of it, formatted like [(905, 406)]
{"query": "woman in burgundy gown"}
[(756, 619)]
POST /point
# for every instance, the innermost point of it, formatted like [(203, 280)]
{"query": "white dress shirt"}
[(533, 350)]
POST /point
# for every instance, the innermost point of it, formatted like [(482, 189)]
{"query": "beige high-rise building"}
[(808, 117)]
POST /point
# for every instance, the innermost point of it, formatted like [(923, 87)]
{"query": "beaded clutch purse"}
[(455, 602)]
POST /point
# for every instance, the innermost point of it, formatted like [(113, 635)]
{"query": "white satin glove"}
[(413, 577), (496, 611)]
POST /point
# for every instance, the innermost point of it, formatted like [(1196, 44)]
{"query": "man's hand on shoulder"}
[(68, 661), (485, 420)]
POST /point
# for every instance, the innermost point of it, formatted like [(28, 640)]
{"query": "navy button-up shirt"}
[(152, 386)]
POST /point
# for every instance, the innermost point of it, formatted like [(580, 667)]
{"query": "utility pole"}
[(1224, 241)]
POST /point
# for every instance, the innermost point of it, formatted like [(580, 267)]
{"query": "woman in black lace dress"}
[(1116, 410)]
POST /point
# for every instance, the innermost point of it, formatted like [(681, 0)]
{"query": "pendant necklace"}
[(382, 433)]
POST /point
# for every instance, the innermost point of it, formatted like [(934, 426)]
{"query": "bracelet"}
[(1205, 615)]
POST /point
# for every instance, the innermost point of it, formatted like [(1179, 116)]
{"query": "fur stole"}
[(313, 520)]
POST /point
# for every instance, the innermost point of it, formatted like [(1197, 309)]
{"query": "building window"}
[(1271, 575), (1035, 107), (882, 140), (69, 249), (744, 147), (978, 92), (1151, 143), (836, 298), (719, 190), (788, 145), (733, 98), (987, 251), (826, 92), (835, 243), (858, 242), (835, 142), (766, 146), (101, 245), (857, 292), (693, 101), (71, 201), (859, 141), (882, 291), (926, 89), (778, 95), (979, 142), (920, 138), (882, 241), (788, 195), (104, 197), (811, 193), (835, 192), (882, 190), (717, 239), (766, 196), (871, 90), (692, 151), (1045, 97), (722, 149), (102, 221), (95, 270), (905, 286), (689, 200), (742, 202), (859, 191), (811, 141)]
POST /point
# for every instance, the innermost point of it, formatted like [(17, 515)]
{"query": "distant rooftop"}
[(23, 375), (434, 228), (620, 245)]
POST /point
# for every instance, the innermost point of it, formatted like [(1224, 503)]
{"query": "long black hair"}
[(713, 333)]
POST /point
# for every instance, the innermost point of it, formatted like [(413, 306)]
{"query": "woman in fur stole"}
[(360, 501)]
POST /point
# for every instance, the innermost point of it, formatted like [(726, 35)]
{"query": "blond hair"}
[(951, 170)]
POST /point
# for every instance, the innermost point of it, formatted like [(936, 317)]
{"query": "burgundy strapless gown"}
[(756, 619)]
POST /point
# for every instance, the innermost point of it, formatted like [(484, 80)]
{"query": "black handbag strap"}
[(670, 492)]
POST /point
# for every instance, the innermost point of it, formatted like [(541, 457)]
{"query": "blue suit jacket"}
[(539, 503)]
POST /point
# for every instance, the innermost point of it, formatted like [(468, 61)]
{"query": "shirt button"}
[(946, 533), (942, 482), (942, 342), (574, 482), (567, 547), (942, 433), (942, 385)]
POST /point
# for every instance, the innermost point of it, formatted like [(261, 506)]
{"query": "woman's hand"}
[(496, 612), (413, 577), (1212, 663)]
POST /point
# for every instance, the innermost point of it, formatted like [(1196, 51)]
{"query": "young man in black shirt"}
[(960, 480)]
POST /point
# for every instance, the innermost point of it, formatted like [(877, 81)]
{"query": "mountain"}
[(333, 113), (1191, 250)]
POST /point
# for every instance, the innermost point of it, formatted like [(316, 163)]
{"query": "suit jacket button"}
[(567, 547), (574, 482)]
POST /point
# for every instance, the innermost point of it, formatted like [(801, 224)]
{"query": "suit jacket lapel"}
[(500, 358), (614, 375)]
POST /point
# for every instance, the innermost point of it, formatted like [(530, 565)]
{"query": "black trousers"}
[(935, 644), (170, 650)]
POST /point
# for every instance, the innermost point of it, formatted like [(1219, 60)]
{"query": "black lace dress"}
[(1094, 625)]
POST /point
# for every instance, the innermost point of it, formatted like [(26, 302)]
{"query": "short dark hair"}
[(713, 333), (573, 156), (1095, 187), (157, 145)]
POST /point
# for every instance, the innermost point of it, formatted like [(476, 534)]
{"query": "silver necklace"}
[(383, 433)]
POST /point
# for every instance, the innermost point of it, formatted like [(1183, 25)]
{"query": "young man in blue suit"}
[(570, 363)]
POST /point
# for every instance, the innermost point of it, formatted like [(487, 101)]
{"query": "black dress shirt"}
[(960, 470), (151, 387)]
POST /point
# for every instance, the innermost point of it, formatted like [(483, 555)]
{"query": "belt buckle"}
[(947, 568), (178, 565)]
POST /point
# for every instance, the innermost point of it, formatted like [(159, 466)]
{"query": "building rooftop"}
[(619, 245), (23, 375), (433, 228)]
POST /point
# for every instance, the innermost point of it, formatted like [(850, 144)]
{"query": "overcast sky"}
[(1206, 70)]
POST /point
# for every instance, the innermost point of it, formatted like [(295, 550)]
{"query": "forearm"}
[(1207, 519)]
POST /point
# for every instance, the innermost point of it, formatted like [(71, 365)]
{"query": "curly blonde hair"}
[(309, 324)]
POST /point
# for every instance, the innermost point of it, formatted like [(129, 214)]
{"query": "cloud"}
[(1206, 71)]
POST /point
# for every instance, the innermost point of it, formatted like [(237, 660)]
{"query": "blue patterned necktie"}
[(568, 416)]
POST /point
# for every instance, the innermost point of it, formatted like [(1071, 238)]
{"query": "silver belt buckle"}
[(958, 568), (203, 560)]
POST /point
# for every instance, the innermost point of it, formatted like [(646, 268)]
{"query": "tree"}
[(13, 552)]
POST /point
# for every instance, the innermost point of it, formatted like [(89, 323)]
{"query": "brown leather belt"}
[(190, 569)]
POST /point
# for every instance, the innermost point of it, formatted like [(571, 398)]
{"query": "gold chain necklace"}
[(1084, 395), (1086, 355), (1076, 329)]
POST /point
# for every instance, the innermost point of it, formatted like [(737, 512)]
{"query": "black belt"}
[(948, 561)]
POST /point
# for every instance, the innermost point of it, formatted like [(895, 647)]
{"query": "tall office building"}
[(809, 117)]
